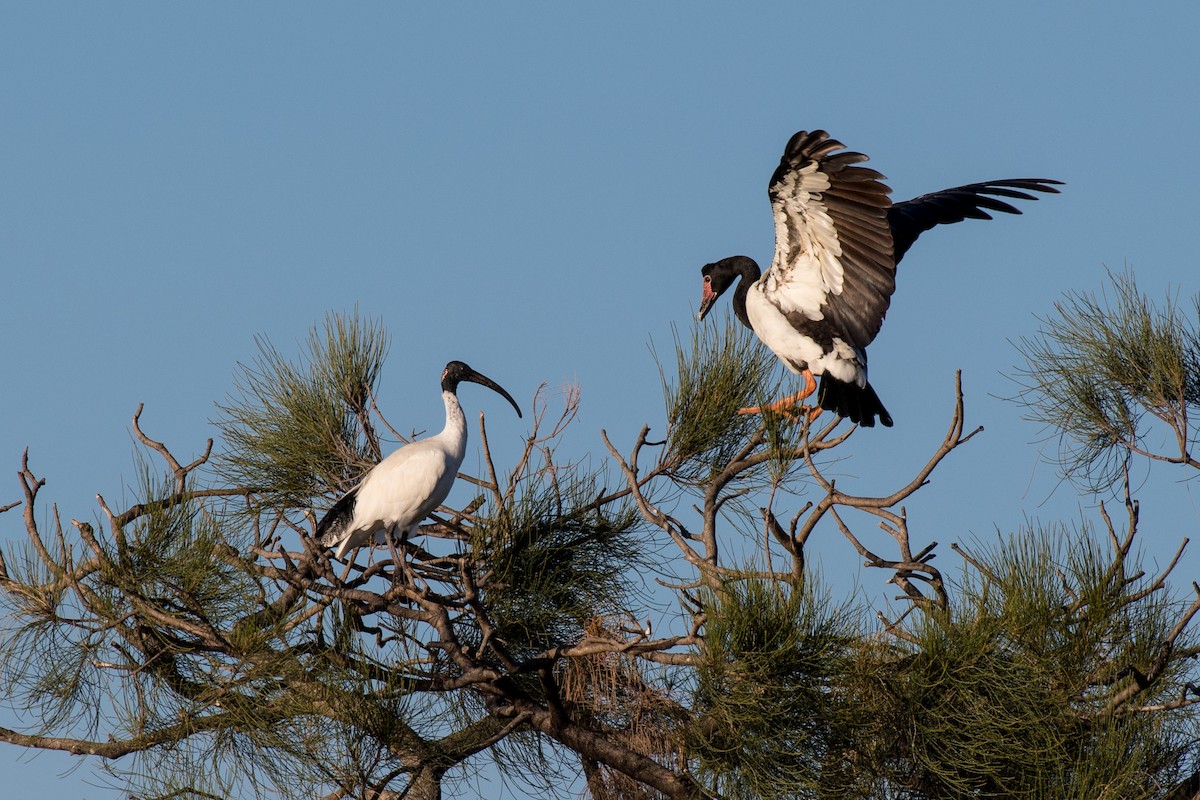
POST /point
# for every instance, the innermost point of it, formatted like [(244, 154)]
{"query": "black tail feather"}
[(858, 404), (331, 530)]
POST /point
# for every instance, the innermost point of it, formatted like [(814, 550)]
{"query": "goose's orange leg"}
[(789, 406)]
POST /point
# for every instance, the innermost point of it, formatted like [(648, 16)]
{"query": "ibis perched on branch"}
[(408, 485), (838, 239)]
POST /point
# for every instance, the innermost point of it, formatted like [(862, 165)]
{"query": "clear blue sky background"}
[(532, 189)]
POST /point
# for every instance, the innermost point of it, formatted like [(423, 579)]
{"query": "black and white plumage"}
[(838, 239), (409, 484)]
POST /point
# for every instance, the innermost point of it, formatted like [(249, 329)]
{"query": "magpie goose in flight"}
[(408, 485), (838, 239)]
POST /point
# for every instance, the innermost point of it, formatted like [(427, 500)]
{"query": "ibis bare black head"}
[(457, 372)]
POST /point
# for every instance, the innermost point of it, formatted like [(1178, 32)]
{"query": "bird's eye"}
[(708, 279)]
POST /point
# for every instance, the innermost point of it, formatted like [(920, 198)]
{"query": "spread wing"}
[(833, 246), (911, 218)]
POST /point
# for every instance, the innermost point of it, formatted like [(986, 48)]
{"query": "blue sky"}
[(532, 189)]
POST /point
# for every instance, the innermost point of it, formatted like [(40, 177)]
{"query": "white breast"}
[(798, 351)]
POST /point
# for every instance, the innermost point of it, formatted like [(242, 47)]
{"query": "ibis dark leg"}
[(389, 536)]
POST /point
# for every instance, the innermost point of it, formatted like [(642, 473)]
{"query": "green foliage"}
[(51, 641), (765, 701), (553, 563), (1007, 697), (299, 429), (273, 670), (1099, 366), (169, 554), (716, 375), (45, 672)]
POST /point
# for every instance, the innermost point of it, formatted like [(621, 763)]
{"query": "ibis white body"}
[(407, 486)]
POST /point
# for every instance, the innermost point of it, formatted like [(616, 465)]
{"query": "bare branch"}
[(180, 472)]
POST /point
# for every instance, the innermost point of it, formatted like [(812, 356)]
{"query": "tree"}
[(202, 645)]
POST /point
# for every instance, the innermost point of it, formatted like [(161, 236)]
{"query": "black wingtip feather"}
[(910, 218)]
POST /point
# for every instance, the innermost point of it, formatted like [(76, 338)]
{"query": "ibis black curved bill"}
[(456, 372)]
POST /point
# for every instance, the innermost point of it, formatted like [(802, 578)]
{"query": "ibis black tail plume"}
[(331, 530)]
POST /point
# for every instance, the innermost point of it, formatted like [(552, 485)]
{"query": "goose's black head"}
[(457, 372), (720, 275)]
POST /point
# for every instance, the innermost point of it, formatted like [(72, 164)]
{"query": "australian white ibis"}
[(405, 487), (838, 239)]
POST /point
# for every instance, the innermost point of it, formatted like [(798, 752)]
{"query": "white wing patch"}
[(797, 351), (807, 266)]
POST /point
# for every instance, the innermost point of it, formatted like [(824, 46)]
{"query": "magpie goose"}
[(838, 239)]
